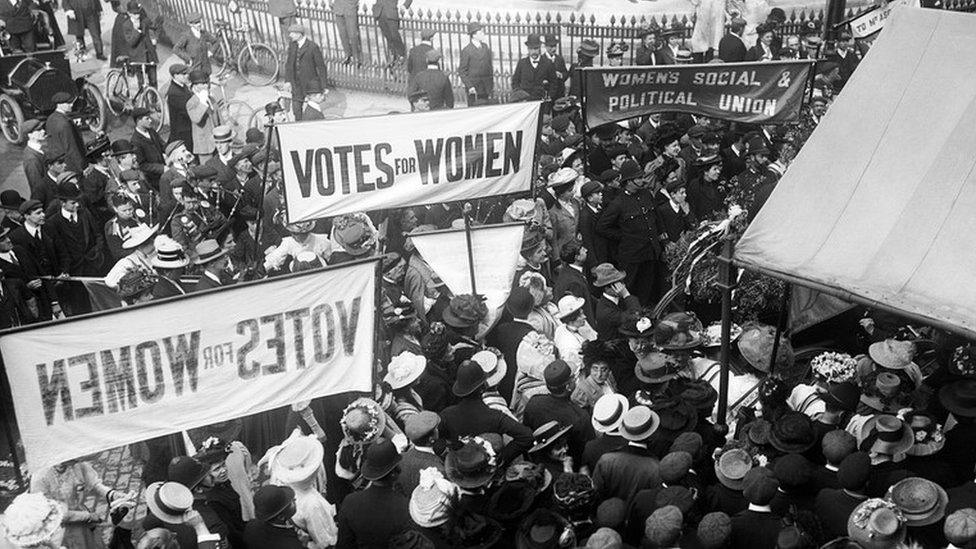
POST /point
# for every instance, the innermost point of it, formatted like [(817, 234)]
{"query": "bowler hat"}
[(533, 41), (67, 189), (186, 470), (519, 302), (470, 376), (843, 395), (10, 200), (270, 500), (381, 458), (606, 274), (121, 147)]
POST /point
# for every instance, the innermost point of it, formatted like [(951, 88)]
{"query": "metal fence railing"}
[(506, 34)]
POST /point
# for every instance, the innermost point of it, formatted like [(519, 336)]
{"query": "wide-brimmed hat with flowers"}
[(363, 420), (472, 464), (877, 524), (404, 369), (354, 233), (32, 519)]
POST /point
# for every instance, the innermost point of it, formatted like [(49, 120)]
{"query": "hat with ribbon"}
[(639, 423), (884, 434), (169, 501), (921, 501), (608, 413), (656, 367), (929, 435), (637, 324), (430, 501), (138, 235), (207, 251), (678, 331), (404, 369), (521, 209), (547, 434), (169, 254), (877, 524)]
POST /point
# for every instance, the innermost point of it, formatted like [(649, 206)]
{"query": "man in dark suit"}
[(417, 58), (34, 167), (558, 64), (194, 46), (508, 336), (19, 23), (846, 56), (46, 190), (834, 505), (571, 278), (433, 80), (757, 526), (388, 19), (79, 243), (731, 48), (304, 68), (180, 126), (149, 147), (630, 220), (356, 520), (214, 261), (62, 135), (596, 245), (37, 254), (734, 157), (534, 74), (17, 300), (613, 303), (475, 68)]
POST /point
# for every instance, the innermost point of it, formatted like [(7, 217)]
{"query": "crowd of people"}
[(584, 414)]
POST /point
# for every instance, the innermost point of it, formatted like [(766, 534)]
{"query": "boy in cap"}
[(194, 46), (149, 146), (475, 68), (434, 81), (313, 105), (304, 66), (180, 126)]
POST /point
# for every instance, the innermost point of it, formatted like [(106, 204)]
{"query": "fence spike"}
[(559, 18)]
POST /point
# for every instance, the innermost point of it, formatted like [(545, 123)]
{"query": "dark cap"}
[(589, 188), (178, 68), (199, 77), (30, 205), (854, 471), (121, 146), (62, 97), (557, 374)]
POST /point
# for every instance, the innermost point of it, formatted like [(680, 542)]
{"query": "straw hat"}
[(608, 413), (32, 519), (169, 501), (921, 501), (884, 434), (893, 354), (493, 365), (639, 423), (876, 524), (169, 254), (547, 434), (404, 369), (569, 304), (731, 468), (299, 459), (138, 235)]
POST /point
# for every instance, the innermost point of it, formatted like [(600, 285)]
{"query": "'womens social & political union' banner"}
[(331, 167), (768, 93), (87, 385)]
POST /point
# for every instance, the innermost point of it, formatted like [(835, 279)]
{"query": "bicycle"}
[(231, 112), (234, 49), (283, 97), (118, 90)]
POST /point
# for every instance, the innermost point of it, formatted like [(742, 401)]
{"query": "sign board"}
[(332, 167), (767, 93), (87, 385)]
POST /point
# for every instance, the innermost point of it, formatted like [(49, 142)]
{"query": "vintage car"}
[(28, 81)]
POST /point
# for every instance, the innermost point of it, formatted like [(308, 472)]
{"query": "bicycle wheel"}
[(217, 58), (258, 64), (116, 91), (236, 114), (152, 100)]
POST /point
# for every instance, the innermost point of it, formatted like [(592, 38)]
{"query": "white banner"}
[(83, 386), (873, 21), (333, 167), (495, 249)]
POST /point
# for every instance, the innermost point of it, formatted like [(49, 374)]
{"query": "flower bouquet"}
[(832, 367)]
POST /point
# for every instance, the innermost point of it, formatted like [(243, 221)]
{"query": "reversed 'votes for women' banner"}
[(84, 386), (332, 167), (767, 93)]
